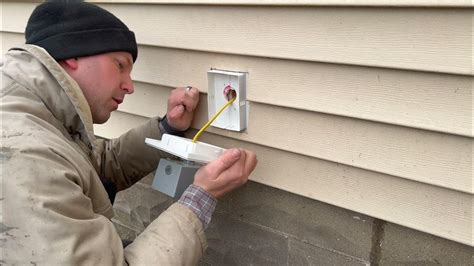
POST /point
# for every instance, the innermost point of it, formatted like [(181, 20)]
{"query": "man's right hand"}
[(228, 172)]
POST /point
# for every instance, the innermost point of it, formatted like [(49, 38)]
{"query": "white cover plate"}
[(185, 149)]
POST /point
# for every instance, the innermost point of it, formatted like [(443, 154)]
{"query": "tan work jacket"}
[(55, 210)]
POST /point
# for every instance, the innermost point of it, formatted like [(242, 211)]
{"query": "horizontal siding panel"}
[(148, 100), (395, 3), (15, 15), (415, 99), (421, 39), (10, 40), (424, 156), (438, 211), (433, 158), (408, 38)]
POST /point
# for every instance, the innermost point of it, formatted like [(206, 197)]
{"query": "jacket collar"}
[(59, 92)]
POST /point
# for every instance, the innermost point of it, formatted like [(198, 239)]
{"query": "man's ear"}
[(69, 64)]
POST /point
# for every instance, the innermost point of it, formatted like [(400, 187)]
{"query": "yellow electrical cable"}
[(196, 137)]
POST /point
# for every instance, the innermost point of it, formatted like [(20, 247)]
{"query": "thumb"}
[(226, 160)]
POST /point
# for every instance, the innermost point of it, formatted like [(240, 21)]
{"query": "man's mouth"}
[(118, 101)]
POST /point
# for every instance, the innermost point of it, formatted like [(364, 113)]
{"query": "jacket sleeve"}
[(50, 219), (177, 236), (160, 243), (127, 159)]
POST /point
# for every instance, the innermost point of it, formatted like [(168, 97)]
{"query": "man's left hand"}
[(181, 106)]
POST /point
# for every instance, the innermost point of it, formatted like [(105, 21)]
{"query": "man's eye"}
[(119, 64)]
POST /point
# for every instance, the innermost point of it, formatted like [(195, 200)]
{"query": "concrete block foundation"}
[(260, 225)]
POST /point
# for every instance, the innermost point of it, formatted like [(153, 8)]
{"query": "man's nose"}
[(127, 85)]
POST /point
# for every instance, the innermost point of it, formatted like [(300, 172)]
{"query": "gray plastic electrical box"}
[(173, 177)]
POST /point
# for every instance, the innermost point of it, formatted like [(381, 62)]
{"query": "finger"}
[(176, 97), (250, 162), (190, 103), (226, 160), (176, 112), (183, 96), (191, 99), (235, 174)]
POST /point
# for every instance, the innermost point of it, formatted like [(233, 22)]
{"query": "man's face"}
[(104, 80)]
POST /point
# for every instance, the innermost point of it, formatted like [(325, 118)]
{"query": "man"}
[(73, 72)]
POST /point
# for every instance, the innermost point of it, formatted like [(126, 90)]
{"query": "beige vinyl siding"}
[(369, 109), (384, 37), (415, 99), (388, 37), (10, 40), (380, 147)]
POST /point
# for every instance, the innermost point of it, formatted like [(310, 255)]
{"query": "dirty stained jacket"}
[(55, 210)]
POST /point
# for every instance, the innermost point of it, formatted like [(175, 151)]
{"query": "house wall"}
[(362, 105)]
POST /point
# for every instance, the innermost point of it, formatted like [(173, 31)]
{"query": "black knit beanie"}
[(70, 30)]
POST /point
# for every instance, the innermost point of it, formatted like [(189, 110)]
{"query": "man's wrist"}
[(201, 202), (166, 128)]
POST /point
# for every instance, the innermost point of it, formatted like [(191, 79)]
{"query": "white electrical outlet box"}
[(186, 149), (234, 117)]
